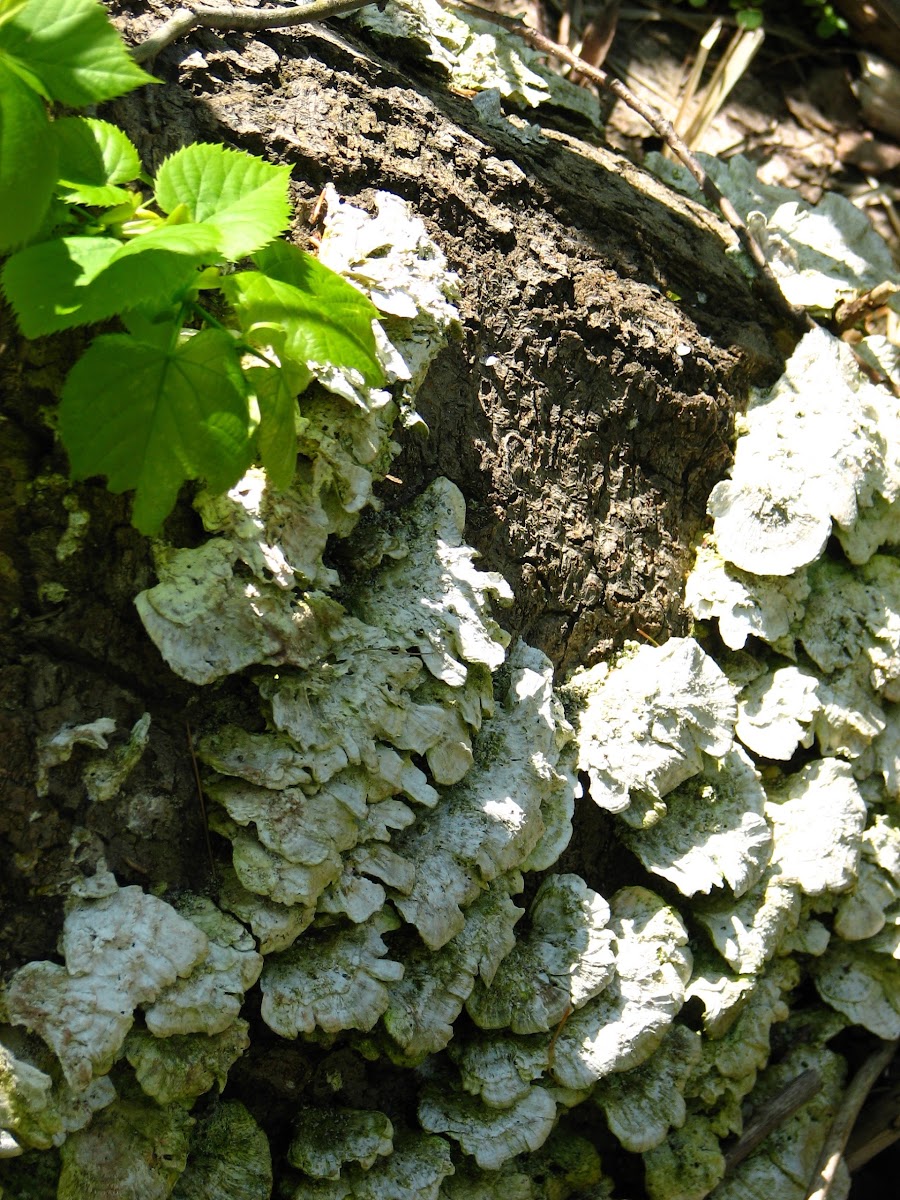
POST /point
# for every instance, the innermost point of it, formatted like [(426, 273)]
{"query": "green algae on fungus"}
[(334, 980), (622, 1026), (491, 1135), (327, 1138), (643, 1104), (180, 1067), (228, 1156), (416, 1167), (38, 1107), (132, 1150), (713, 831), (563, 960), (424, 1005)]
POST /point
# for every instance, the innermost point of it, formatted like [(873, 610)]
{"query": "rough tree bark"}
[(585, 413)]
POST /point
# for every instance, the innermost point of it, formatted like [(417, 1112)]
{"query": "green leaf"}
[(70, 46), (276, 390), (27, 160), (149, 418), (81, 280), (94, 156), (324, 318), (246, 198), (10, 9)]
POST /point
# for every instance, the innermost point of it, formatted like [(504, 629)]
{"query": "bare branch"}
[(240, 20), (797, 1093)]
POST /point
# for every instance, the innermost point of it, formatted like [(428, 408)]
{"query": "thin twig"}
[(202, 802), (797, 317), (845, 1118), (240, 20), (876, 1130), (797, 1093)]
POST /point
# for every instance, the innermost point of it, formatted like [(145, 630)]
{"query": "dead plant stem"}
[(845, 1118)]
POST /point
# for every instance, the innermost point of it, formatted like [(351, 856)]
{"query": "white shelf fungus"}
[(810, 452), (863, 984), (38, 1108), (713, 832), (491, 1135), (645, 722), (819, 253), (426, 1002), (477, 56), (501, 1069), (785, 1163), (490, 822), (687, 1165), (133, 1148), (643, 1104), (229, 1156), (621, 1027), (180, 1067), (564, 960), (416, 1167), (747, 932), (855, 615), (211, 998), (776, 712), (327, 1138), (104, 779), (59, 747), (818, 817), (121, 950), (434, 598), (331, 980), (209, 621), (745, 605)]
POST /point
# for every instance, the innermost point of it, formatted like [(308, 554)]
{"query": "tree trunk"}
[(585, 413)]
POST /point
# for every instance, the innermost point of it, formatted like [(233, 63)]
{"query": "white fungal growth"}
[(327, 1138), (714, 831), (209, 1000), (776, 712), (564, 960), (333, 981), (810, 452), (646, 722), (745, 605), (491, 1135), (121, 950), (642, 1105), (818, 817), (58, 748), (621, 1027)]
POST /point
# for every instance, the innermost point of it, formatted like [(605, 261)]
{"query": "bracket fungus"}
[(406, 774), (645, 722)]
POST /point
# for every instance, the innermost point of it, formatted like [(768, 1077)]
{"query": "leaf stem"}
[(239, 342)]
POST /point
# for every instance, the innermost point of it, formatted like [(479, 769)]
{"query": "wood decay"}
[(883, 1127), (245, 20)]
